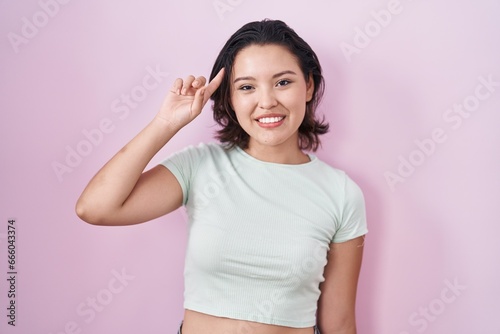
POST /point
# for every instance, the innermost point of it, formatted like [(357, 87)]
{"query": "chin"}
[(272, 142)]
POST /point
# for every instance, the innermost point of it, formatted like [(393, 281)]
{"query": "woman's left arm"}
[(336, 305)]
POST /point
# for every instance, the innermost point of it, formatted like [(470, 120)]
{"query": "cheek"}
[(241, 104), (239, 108), (295, 101)]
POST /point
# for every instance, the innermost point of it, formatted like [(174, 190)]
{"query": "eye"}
[(245, 87), (284, 82)]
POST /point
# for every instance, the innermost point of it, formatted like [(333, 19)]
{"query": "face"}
[(269, 95)]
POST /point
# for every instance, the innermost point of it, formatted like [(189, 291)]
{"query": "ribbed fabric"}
[(259, 232)]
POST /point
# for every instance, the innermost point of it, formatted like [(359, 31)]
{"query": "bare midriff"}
[(201, 323)]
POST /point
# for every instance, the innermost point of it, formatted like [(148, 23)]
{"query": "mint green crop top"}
[(259, 232)]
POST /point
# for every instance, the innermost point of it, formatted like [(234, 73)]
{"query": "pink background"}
[(67, 75)]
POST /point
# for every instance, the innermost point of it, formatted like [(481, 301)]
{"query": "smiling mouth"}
[(270, 120)]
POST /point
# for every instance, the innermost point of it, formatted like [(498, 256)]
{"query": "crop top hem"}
[(260, 318)]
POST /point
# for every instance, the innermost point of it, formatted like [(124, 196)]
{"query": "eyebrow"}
[(274, 76)]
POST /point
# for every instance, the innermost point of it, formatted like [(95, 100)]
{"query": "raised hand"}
[(186, 99)]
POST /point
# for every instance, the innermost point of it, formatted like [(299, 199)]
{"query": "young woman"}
[(275, 235)]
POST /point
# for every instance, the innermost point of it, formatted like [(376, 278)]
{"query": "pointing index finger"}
[(213, 85)]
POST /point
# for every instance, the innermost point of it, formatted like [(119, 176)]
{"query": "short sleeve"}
[(183, 165), (353, 222)]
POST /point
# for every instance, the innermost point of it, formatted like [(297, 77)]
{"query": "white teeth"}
[(270, 119)]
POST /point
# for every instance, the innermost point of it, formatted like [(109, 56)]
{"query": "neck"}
[(281, 154)]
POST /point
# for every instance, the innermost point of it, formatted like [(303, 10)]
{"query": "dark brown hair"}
[(264, 33)]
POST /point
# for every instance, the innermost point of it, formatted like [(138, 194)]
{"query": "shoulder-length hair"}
[(264, 33)]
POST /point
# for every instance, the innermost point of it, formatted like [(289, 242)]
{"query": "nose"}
[(267, 99)]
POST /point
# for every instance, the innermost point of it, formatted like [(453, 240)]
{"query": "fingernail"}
[(195, 83)]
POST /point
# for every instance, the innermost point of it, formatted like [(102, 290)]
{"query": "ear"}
[(310, 88)]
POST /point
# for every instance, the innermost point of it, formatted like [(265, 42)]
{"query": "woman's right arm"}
[(121, 193)]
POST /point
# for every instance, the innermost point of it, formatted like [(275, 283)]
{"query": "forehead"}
[(264, 59)]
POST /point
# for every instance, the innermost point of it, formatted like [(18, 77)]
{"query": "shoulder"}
[(199, 151), (210, 148), (330, 174), (338, 180)]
